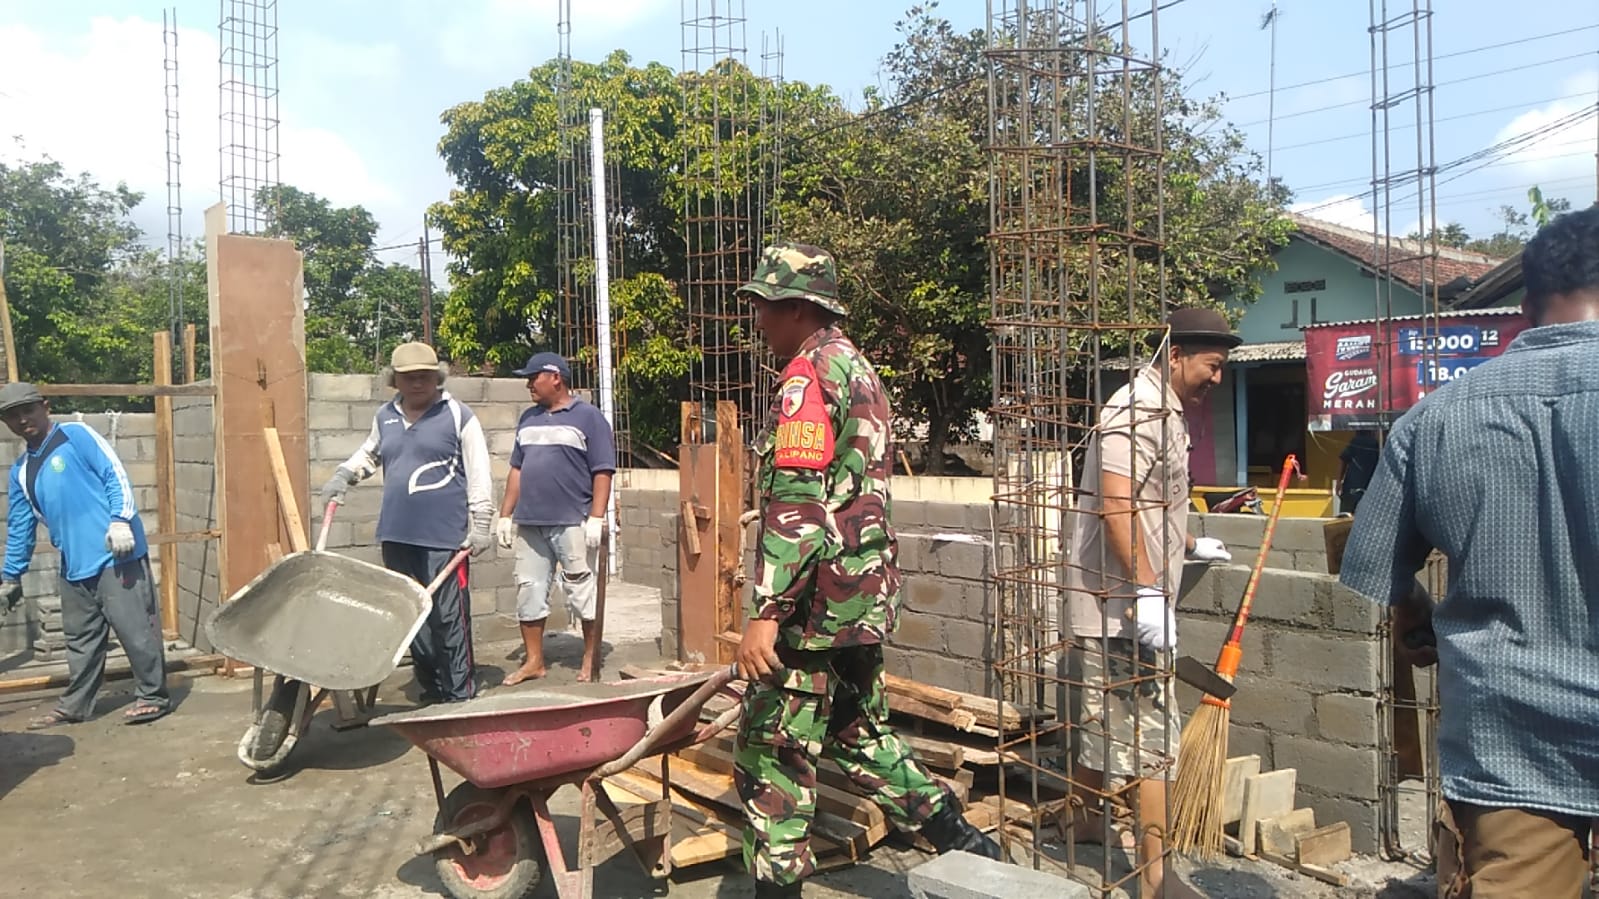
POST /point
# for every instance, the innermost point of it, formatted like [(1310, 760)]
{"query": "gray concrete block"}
[(930, 595), (968, 561), (497, 416), (1244, 740), (964, 675), (1201, 636), (1332, 662), (1335, 770), (969, 640), (1240, 532), (1287, 596), (467, 390), (917, 631), (908, 514), (506, 390), (962, 875), (1299, 535), (1351, 611), (1278, 706), (345, 388), (1198, 589), (912, 553), (322, 415), (1346, 718), (897, 661), (947, 516)]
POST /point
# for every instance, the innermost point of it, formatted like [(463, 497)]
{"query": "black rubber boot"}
[(765, 889), (949, 832)]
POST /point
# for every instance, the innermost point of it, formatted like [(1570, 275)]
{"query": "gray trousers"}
[(120, 598)]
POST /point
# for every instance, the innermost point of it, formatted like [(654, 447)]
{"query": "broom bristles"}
[(1196, 800)]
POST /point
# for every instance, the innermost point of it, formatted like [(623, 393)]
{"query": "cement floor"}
[(165, 810)]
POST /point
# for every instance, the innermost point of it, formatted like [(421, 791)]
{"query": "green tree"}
[(357, 309), (84, 294)]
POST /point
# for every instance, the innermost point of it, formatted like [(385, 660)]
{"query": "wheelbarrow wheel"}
[(273, 725), (504, 863)]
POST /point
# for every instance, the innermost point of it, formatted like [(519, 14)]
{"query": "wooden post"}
[(711, 497), (5, 323), (188, 354), (166, 484), (729, 537)]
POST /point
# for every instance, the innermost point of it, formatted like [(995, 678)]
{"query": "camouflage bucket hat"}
[(797, 271)]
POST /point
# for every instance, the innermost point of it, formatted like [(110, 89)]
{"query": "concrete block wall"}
[(194, 454), (33, 631)]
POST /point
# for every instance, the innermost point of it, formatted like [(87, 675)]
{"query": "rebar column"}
[(1077, 281), (248, 120)]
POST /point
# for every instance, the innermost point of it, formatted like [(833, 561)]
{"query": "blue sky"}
[(364, 81)]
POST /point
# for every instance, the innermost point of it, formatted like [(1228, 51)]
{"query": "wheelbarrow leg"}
[(354, 707), (569, 884)]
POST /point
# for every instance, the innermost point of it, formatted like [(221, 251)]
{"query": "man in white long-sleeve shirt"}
[(437, 499)]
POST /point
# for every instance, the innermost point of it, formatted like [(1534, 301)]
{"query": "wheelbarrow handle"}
[(327, 519), (687, 709), (447, 570)]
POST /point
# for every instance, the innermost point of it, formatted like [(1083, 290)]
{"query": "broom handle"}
[(1227, 662)]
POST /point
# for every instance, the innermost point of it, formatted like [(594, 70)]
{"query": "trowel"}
[(1198, 675)]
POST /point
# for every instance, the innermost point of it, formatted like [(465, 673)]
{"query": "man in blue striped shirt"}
[(1498, 470), (71, 480)]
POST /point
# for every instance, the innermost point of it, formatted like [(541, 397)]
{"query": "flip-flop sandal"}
[(53, 719), (144, 714)]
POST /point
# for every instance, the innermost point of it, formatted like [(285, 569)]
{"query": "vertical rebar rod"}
[(174, 159)]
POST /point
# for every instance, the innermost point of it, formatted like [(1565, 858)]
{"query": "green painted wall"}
[(1349, 295)]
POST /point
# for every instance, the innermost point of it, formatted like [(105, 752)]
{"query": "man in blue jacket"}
[(70, 479)]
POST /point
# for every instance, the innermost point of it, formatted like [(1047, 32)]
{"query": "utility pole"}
[(1271, 88), (426, 262), (602, 292)]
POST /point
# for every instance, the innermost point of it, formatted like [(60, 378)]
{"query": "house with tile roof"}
[(1326, 274)]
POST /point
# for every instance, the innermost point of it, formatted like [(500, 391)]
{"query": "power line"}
[(1364, 72), (1363, 101), (1464, 115)]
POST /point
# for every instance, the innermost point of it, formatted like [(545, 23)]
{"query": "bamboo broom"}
[(1196, 802)]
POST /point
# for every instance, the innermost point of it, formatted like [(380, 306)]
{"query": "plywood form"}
[(256, 289)]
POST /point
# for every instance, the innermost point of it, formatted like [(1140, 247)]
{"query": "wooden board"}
[(1325, 845), (166, 484), (1281, 834), (710, 478), (255, 288)]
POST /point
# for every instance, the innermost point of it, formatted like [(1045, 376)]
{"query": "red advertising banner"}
[(1366, 374)]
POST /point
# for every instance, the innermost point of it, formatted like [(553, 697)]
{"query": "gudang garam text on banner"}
[(1348, 385)]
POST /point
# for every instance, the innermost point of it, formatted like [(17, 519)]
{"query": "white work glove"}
[(1156, 623), (333, 491), (593, 532), (119, 539), (481, 537), (505, 531), (1209, 549)]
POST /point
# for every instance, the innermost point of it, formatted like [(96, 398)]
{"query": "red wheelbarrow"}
[(515, 750)]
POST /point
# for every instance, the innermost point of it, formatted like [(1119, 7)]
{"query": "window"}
[(1275, 395)]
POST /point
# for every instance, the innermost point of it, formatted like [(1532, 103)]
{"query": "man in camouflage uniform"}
[(827, 589)]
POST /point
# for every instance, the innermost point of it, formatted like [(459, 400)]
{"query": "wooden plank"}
[(1335, 536), (691, 528), (985, 712), (9, 342), (729, 537), (960, 719), (1325, 845), (1281, 834), (696, 553), (1232, 786), (188, 353), (181, 537), (936, 753), (125, 390), (1268, 795), (166, 483), (255, 291), (938, 697), (288, 503), (204, 664), (1325, 875), (710, 765)]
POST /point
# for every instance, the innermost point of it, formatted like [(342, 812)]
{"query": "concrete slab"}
[(961, 875)]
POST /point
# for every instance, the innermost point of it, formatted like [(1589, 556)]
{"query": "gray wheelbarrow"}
[(321, 623)]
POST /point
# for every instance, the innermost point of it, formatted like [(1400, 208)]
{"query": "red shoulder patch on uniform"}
[(804, 429)]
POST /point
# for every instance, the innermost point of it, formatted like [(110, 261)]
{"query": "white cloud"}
[(94, 101), (1340, 209), (1562, 154)]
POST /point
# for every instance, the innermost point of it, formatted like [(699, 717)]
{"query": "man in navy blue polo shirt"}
[(70, 479), (438, 497), (553, 512)]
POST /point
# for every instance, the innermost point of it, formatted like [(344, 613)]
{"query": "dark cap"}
[(17, 394), (1198, 326), (545, 362)]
